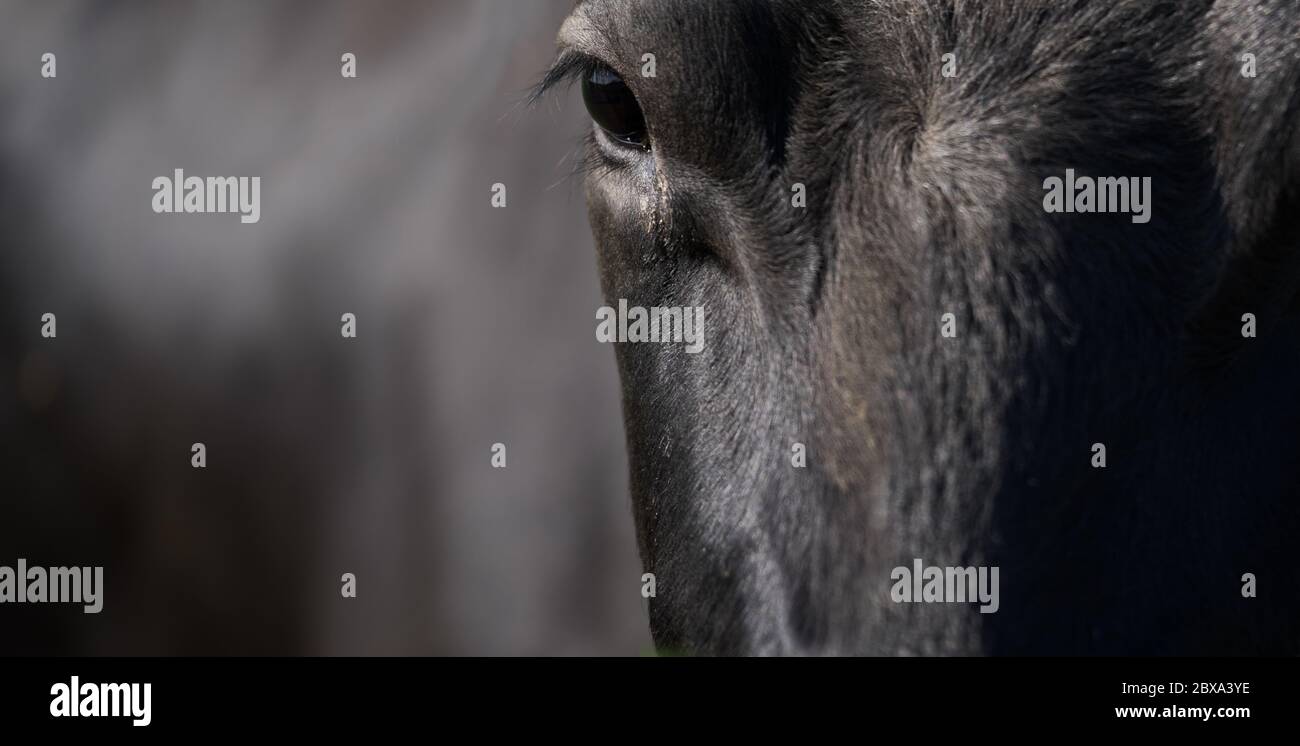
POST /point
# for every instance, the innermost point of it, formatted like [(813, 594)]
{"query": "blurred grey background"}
[(325, 455)]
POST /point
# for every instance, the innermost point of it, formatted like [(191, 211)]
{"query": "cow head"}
[(906, 356)]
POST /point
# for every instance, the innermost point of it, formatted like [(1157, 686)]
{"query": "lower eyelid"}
[(621, 151), (602, 158)]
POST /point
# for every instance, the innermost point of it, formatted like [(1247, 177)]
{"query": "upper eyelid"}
[(581, 32), (584, 45)]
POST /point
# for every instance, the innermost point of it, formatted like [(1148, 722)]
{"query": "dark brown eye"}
[(613, 107)]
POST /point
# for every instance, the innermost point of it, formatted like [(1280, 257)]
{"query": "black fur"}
[(924, 198)]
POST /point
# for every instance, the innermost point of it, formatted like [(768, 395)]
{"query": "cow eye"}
[(613, 107)]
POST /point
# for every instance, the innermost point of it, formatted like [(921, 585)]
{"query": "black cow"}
[(965, 440)]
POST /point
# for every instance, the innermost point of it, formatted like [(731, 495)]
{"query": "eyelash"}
[(569, 68), (591, 161)]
